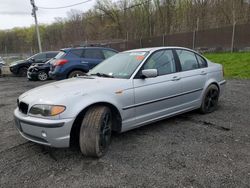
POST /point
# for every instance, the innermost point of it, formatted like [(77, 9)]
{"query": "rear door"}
[(159, 96), (193, 74), (92, 57)]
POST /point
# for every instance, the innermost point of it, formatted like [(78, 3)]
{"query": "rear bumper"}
[(54, 133), (56, 76)]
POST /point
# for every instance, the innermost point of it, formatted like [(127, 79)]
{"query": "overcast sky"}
[(17, 13)]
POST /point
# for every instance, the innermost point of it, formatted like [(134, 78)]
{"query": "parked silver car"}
[(126, 91)]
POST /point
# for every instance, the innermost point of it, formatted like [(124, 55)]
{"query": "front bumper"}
[(32, 75), (54, 133), (13, 69)]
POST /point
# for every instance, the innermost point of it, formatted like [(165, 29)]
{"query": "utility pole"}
[(233, 33), (195, 32), (34, 9)]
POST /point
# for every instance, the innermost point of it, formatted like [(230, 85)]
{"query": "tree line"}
[(127, 20)]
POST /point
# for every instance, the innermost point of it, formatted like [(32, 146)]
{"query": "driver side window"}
[(163, 61), (39, 57)]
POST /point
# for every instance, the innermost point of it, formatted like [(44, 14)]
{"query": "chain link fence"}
[(229, 38)]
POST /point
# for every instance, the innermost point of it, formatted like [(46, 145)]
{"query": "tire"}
[(95, 131), (76, 73), (42, 76), (23, 71), (210, 99)]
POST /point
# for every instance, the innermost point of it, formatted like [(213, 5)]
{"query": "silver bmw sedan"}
[(126, 91)]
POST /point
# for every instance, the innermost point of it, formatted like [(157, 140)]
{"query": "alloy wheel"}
[(42, 76), (105, 132), (211, 100)]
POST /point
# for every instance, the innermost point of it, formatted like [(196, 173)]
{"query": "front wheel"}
[(23, 71), (76, 74), (42, 76), (210, 99), (95, 132)]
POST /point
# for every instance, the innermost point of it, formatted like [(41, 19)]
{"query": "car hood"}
[(59, 92), (18, 62), (39, 65)]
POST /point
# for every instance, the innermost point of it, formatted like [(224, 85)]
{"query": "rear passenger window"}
[(187, 59), (202, 62), (108, 53), (77, 52), (93, 54)]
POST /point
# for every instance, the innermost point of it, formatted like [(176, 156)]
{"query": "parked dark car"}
[(20, 67), (2, 63), (39, 71), (72, 62)]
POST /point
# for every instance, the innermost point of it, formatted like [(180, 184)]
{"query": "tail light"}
[(61, 62)]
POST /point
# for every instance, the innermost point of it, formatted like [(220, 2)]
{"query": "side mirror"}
[(32, 59), (149, 73)]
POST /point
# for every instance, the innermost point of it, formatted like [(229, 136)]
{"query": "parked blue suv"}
[(72, 62)]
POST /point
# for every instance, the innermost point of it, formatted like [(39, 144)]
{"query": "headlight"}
[(46, 110)]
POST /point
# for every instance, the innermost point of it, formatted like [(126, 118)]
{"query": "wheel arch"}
[(20, 67), (117, 121), (75, 69), (214, 82)]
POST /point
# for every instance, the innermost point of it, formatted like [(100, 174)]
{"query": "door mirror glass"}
[(149, 73)]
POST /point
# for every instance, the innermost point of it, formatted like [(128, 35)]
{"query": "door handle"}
[(176, 78), (203, 73)]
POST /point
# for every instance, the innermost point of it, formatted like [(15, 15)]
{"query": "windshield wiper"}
[(103, 75)]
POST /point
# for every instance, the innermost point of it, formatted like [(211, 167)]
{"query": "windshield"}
[(121, 65), (32, 57)]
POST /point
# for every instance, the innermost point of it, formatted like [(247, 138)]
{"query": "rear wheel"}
[(95, 132), (23, 71), (210, 99), (76, 73), (42, 76)]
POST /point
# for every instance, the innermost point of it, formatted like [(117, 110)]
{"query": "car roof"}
[(102, 48), (52, 52), (158, 48), (47, 52)]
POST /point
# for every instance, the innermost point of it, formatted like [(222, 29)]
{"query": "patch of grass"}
[(236, 65)]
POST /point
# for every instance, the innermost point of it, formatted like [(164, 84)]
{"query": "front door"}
[(160, 96)]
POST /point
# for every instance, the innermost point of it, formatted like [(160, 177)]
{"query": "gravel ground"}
[(190, 150)]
